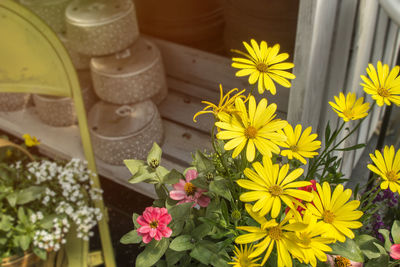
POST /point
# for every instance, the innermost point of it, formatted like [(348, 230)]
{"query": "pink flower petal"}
[(144, 229), (153, 232), (191, 174), (180, 185), (147, 239), (177, 194), (166, 232), (203, 201), (140, 220), (395, 251)]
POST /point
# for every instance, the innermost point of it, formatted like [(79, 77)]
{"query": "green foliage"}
[(348, 249)]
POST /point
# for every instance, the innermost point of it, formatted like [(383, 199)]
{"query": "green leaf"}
[(12, 199), (220, 186), (201, 231), (161, 263), (219, 260), (40, 253), (134, 165), (134, 220), (179, 213), (131, 238), (22, 216), (367, 246), (5, 223), (355, 147), (204, 251), (162, 173), (383, 260), (348, 249), (396, 232), (173, 177), (47, 221), (173, 256), (327, 132), (143, 175), (152, 253), (160, 191), (200, 182), (29, 194), (154, 156), (182, 243), (202, 163), (24, 242), (386, 234)]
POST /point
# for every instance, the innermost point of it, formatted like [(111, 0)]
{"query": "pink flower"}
[(154, 223), (185, 191), (336, 260), (395, 251)]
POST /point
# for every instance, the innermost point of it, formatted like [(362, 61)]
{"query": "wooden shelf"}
[(64, 142)]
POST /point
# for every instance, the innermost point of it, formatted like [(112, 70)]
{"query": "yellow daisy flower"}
[(387, 167), (313, 245), (30, 141), (299, 145), (333, 211), (382, 85), (348, 108), (270, 185), (225, 103), (242, 259), (271, 234), (264, 65), (256, 128)]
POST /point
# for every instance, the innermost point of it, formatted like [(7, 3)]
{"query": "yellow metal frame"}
[(23, 35)]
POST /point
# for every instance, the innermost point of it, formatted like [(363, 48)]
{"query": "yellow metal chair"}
[(33, 60)]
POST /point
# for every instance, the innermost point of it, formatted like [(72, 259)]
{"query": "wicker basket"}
[(123, 132), (101, 27), (131, 76)]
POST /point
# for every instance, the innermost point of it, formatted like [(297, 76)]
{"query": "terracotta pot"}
[(27, 260)]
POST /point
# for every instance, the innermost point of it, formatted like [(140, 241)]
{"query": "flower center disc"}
[(328, 216), (383, 92), (275, 190), (348, 113), (294, 148), (154, 224), (250, 132), (342, 262), (189, 189), (275, 233), (391, 176), (262, 67)]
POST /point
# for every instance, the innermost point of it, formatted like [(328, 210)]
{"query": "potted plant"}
[(268, 195), (41, 201)]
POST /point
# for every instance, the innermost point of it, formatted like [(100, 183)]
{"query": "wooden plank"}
[(368, 11), (178, 144), (316, 24), (377, 54), (206, 70), (341, 51)]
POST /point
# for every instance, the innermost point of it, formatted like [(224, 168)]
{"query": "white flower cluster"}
[(36, 217), (51, 240), (68, 193)]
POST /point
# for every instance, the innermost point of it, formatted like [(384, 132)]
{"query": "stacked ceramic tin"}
[(127, 74), (60, 111)]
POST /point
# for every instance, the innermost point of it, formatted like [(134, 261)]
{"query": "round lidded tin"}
[(101, 27), (130, 76), (13, 101), (80, 61), (60, 111), (124, 132), (51, 11)]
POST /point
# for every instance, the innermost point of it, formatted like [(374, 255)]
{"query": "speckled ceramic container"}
[(131, 76), (101, 27), (80, 61), (13, 101), (60, 111), (51, 11), (124, 132)]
